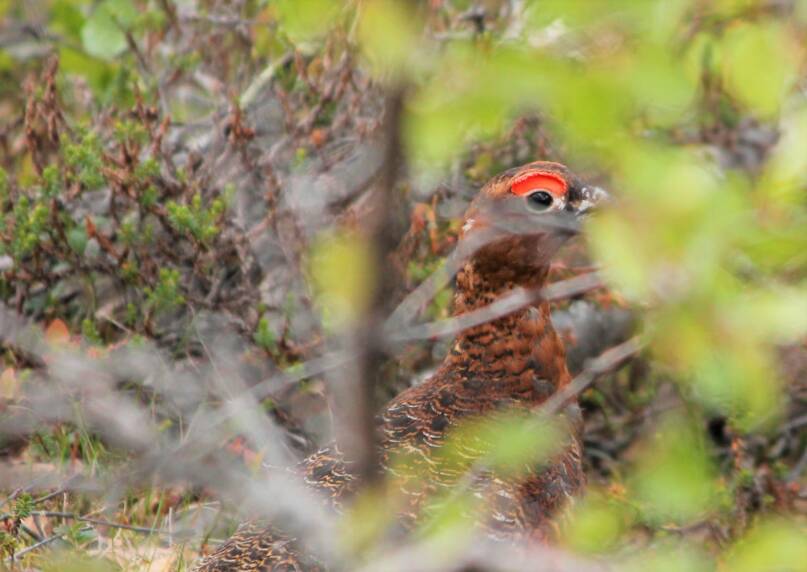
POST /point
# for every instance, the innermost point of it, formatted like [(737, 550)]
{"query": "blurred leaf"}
[(472, 95), (785, 174), (367, 520), (389, 36), (510, 442), (596, 524), (96, 72), (739, 379), (618, 246), (342, 272), (660, 85), (670, 557), (674, 480), (307, 19), (66, 18), (77, 239), (771, 316), (759, 65), (774, 546), (103, 34)]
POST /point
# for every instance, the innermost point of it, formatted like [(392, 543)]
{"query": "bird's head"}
[(523, 216)]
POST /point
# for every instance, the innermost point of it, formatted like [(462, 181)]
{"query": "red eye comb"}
[(551, 182)]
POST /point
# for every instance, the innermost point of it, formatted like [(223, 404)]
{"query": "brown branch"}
[(518, 298), (606, 362), (357, 407)]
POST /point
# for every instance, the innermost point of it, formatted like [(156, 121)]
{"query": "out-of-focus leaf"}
[(306, 20), (98, 73), (77, 239), (368, 519), (103, 34), (472, 95), (67, 18), (670, 557), (389, 35), (759, 65), (775, 315), (342, 272), (786, 171), (596, 524), (612, 238), (509, 442), (772, 546), (660, 85), (674, 479), (739, 379), (801, 10)]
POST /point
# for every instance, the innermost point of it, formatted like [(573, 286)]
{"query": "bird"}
[(511, 363)]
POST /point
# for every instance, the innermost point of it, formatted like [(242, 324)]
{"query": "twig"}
[(356, 397), (606, 362), (40, 544), (508, 303), (99, 522), (262, 80)]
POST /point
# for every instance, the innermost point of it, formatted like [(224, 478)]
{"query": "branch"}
[(606, 362), (511, 302)]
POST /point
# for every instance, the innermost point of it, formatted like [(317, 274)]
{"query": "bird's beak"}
[(591, 199)]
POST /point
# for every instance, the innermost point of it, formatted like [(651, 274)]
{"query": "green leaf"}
[(389, 36), (307, 19), (342, 271), (77, 239), (773, 546), (596, 524), (674, 479), (103, 34), (759, 66)]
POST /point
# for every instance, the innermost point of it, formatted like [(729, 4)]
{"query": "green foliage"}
[(23, 506), (104, 33), (51, 182), (77, 239), (8, 543), (341, 270), (674, 481), (759, 63), (264, 336), (597, 523), (29, 221), (133, 132), (772, 545), (306, 19), (84, 157), (195, 219), (167, 294), (90, 332)]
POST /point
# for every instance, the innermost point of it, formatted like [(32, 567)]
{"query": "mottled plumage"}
[(512, 363)]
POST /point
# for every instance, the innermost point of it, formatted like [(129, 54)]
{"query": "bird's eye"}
[(539, 200)]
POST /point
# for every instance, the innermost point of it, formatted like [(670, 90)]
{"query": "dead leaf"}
[(57, 332)]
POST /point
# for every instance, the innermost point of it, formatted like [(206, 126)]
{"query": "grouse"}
[(513, 362)]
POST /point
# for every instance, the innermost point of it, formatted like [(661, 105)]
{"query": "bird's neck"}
[(520, 350)]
